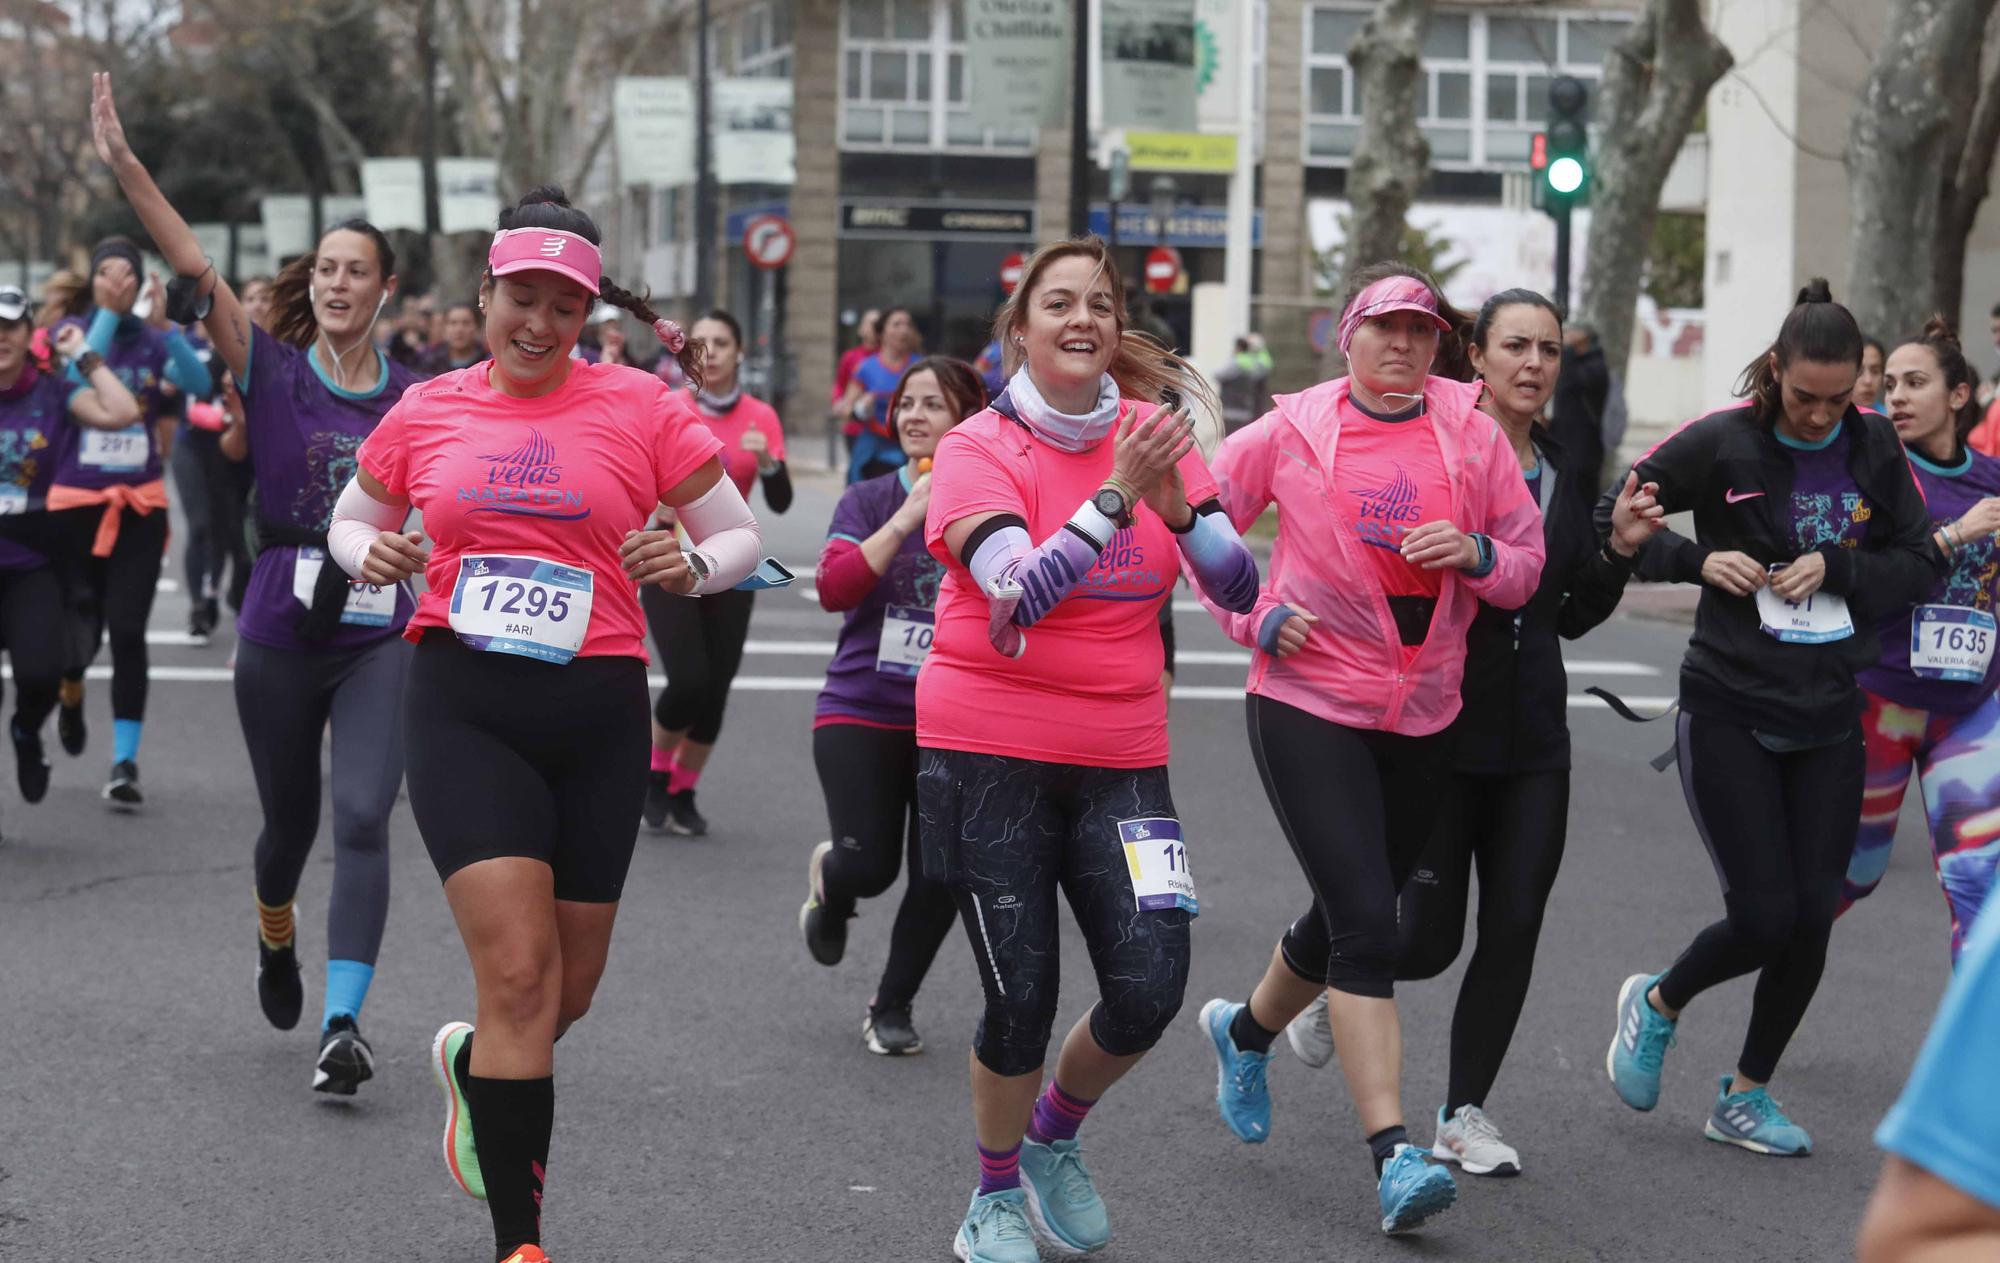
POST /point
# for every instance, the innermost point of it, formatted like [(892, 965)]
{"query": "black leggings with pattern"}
[(1004, 835)]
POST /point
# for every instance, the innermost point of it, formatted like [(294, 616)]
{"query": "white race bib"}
[(115, 451), (1156, 855), (1816, 620), (368, 604), (521, 605), (1951, 642), (906, 640)]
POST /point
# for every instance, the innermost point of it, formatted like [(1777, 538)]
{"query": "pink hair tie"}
[(671, 336)]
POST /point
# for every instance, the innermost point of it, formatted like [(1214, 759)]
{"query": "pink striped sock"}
[(680, 778), (998, 1171), (663, 760), (1057, 1115)]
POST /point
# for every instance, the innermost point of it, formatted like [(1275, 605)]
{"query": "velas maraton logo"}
[(526, 482)]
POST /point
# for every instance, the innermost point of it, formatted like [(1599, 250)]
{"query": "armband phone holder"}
[(770, 573)]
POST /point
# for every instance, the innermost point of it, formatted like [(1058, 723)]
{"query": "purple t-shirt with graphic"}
[(34, 415), (855, 689), (1971, 583), (304, 432), (138, 355), (1827, 508)]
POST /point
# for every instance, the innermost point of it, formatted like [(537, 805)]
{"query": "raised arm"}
[(228, 327), (103, 403)]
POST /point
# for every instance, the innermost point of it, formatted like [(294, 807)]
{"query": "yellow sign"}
[(1181, 151)]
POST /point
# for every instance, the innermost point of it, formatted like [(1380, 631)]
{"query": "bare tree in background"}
[(1391, 156), (1974, 139), (1900, 157), (1655, 81)]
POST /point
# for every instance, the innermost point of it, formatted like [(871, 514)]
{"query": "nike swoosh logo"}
[(1738, 497)]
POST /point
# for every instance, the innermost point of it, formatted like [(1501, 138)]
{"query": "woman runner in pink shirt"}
[(1062, 514), (1400, 508), (525, 714)]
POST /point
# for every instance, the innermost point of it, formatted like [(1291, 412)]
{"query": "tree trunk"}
[(1965, 189), (1898, 147), (1391, 156), (1655, 81)]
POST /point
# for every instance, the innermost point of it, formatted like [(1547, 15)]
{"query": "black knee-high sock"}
[(511, 1119)]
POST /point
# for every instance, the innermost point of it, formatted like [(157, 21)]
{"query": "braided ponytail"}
[(669, 333)]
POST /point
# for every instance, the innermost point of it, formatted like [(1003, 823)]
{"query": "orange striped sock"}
[(277, 926)]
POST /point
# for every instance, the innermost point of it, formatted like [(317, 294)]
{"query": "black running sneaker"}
[(69, 727), (889, 1033), (199, 626), (31, 764), (682, 818), (345, 1059), (122, 790), (655, 811), (279, 989), (825, 930)]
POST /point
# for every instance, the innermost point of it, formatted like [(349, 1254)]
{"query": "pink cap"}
[(546, 250), (1391, 293)]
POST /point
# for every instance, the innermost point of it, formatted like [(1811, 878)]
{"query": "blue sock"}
[(346, 987), (125, 739)]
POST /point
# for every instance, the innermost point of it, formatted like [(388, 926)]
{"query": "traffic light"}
[(1561, 155)]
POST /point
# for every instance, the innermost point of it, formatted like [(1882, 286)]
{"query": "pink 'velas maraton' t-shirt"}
[(1388, 480), (562, 478), (1087, 691), (748, 414)]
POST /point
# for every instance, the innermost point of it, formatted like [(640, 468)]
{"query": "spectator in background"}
[(1868, 386), (1148, 321), (1245, 384), (256, 300), (461, 347), (870, 333), (992, 368), (409, 338), (1939, 1195)]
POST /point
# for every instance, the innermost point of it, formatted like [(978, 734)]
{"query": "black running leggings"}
[(869, 776), (1005, 835), (1513, 828), (207, 497), (114, 593), (1357, 806), (31, 628), (700, 644), (1780, 829)]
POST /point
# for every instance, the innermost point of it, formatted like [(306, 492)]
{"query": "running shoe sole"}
[(1714, 1133), (456, 1114), (1430, 1201), (881, 1049), (1618, 1031), (1045, 1234), (1499, 1170), (813, 864), (342, 1078)]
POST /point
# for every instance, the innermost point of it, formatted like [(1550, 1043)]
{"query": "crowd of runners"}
[(994, 719)]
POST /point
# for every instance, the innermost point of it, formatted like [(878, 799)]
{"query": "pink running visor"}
[(1391, 293), (546, 250)]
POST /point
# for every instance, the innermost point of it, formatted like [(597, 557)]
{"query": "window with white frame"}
[(1484, 89), (903, 79), (764, 41)]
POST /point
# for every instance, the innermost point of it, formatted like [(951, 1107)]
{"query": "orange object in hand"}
[(923, 466)]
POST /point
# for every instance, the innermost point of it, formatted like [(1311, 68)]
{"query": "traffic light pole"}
[(1562, 261)]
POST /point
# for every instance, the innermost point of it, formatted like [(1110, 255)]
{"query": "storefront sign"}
[(1181, 151), (468, 193), (1017, 54), (751, 120), (936, 219), (653, 131), (1189, 227), (1149, 64)]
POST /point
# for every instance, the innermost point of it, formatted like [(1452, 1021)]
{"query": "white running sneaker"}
[(1311, 1034), (1472, 1140)]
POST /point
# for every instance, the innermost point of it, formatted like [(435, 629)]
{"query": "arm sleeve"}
[(1217, 561), (96, 336), (725, 535), (1242, 472), (1004, 557), (1679, 464), (1514, 549), (357, 519), (1901, 573), (844, 577), (184, 367)]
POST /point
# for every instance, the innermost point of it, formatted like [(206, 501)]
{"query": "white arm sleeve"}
[(725, 535), (357, 519)]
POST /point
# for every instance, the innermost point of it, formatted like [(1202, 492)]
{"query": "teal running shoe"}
[(996, 1230), (1412, 1190), (1639, 1045), (1063, 1206), (1752, 1120), (1241, 1091)]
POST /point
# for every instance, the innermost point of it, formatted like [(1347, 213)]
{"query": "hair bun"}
[(551, 193), (1817, 290), (1938, 329)]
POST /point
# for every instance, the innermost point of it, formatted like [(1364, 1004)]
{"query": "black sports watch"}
[(1111, 503)]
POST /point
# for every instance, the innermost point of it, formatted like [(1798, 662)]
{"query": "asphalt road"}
[(718, 1105)]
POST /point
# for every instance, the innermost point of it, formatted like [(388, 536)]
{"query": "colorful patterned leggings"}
[(1957, 761)]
